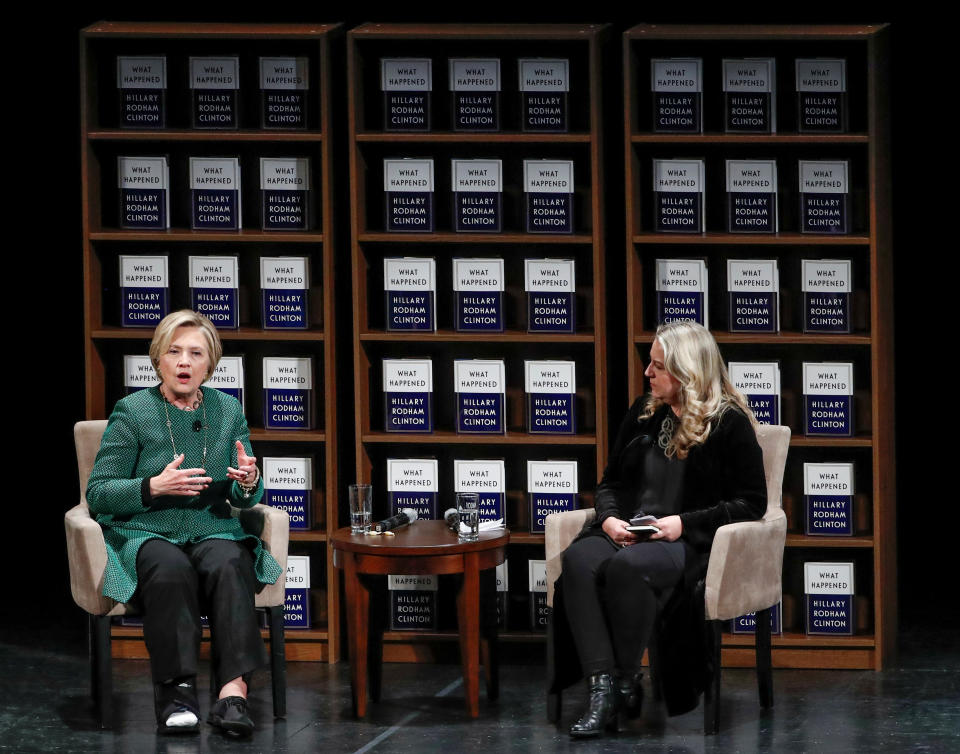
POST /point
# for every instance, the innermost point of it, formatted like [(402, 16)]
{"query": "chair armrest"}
[(746, 564), (87, 556), (276, 538), (560, 531)]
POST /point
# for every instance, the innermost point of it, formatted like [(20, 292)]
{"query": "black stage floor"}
[(913, 707)]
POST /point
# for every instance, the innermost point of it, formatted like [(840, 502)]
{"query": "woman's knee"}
[(163, 564)]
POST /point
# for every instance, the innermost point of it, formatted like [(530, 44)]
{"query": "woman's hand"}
[(616, 529), (176, 481), (246, 471), (671, 527)]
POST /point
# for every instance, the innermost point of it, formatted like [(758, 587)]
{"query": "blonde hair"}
[(692, 358), (185, 318)]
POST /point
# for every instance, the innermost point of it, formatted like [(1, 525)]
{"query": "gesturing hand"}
[(176, 481), (246, 471)]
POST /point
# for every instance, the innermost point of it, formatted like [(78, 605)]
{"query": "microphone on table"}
[(452, 518), (404, 517)]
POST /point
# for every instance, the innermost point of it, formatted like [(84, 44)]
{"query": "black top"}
[(663, 478)]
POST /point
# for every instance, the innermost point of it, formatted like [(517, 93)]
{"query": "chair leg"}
[(101, 680), (764, 662), (711, 698), (278, 661), (554, 698)]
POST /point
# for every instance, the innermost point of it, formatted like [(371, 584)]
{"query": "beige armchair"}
[(87, 556), (743, 576)]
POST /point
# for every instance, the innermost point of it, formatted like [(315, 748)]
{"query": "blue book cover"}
[(480, 385), (285, 196), (284, 288), (682, 291), (475, 87), (413, 602), (551, 488), (412, 483), (478, 290), (829, 592), (477, 195), (679, 204), (144, 290), (288, 392), (677, 87), (824, 197), (488, 479), (826, 285), (214, 285), (408, 395), (821, 95), (828, 499), (759, 381), (828, 399), (544, 83), (753, 289), (408, 189), (551, 388), (284, 92), (750, 95), (537, 586), (215, 88), (503, 594), (296, 606), (144, 187), (215, 196), (747, 624), (551, 286), (548, 188), (228, 377), (138, 373), (142, 91), (752, 196), (406, 85), (410, 290), (288, 485)]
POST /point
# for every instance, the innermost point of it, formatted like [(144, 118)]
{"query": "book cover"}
[(821, 95), (410, 289), (406, 85), (413, 602), (753, 289), (750, 95), (759, 381), (288, 485), (551, 286), (284, 92), (284, 289), (828, 499), (828, 592), (214, 285), (678, 196), (228, 377), (677, 87), (478, 287), (475, 84), (288, 392), (215, 197), (752, 196), (285, 196), (488, 480), (824, 196), (480, 385), (537, 586), (144, 290), (144, 184), (408, 395), (548, 191), (142, 91), (551, 488), (826, 285), (408, 189), (412, 483), (828, 398), (682, 291), (215, 87), (138, 373), (296, 605), (477, 195), (551, 388), (544, 83), (502, 577), (747, 624)]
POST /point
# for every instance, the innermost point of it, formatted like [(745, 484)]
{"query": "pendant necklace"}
[(173, 444)]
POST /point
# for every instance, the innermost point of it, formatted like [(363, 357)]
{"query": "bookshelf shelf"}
[(446, 437), (784, 337), (242, 333), (508, 336), (444, 237), (744, 139), (460, 137), (225, 137), (802, 540), (207, 236), (714, 238)]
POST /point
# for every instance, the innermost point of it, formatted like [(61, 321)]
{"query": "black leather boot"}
[(631, 694), (601, 713)]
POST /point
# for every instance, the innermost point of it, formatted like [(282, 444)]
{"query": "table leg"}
[(358, 625), (468, 620), (377, 596), (489, 651)]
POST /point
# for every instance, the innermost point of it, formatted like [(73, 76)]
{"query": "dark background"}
[(45, 324)]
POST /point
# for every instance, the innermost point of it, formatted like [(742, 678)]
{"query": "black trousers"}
[(613, 596), (174, 582)]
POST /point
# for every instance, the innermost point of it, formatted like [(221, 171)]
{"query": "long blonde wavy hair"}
[(691, 356)]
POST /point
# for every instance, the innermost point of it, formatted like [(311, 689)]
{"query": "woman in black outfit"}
[(686, 454)]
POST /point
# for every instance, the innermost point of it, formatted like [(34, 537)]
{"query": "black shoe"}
[(631, 694), (601, 713), (175, 704), (230, 715)]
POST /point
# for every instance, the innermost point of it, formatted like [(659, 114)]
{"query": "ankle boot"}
[(601, 712), (631, 694)]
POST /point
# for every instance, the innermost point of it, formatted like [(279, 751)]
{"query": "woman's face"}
[(184, 366), (663, 385)]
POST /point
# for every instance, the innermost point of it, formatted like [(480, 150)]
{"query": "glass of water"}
[(361, 507), (468, 508)]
